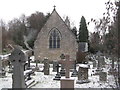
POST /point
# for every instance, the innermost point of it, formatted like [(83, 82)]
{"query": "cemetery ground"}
[(46, 81)]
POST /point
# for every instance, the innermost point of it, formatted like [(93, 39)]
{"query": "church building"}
[(55, 38)]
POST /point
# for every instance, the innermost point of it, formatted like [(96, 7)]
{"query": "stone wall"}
[(68, 44)]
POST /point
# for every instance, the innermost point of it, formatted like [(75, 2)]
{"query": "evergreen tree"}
[(83, 31)]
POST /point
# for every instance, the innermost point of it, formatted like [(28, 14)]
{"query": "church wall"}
[(68, 44)]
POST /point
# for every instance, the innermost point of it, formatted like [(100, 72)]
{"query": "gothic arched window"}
[(54, 39)]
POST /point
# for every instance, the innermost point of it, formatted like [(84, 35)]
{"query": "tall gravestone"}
[(94, 63), (18, 59), (102, 59), (99, 65), (54, 65), (46, 67), (62, 71), (29, 53), (67, 82)]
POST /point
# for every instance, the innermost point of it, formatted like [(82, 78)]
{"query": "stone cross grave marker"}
[(58, 76), (67, 64), (46, 67), (18, 59), (67, 82), (62, 71)]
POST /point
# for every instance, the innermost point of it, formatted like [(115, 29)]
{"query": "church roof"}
[(55, 13)]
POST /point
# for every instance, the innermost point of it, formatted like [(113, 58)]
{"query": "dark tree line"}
[(16, 31)]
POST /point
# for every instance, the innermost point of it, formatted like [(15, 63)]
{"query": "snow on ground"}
[(46, 81)]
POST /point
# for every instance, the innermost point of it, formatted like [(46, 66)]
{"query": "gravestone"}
[(103, 76), (62, 71), (2, 73), (67, 82), (74, 73), (46, 67), (99, 65), (29, 53), (54, 65), (99, 69), (18, 59), (102, 61), (94, 63), (28, 67), (58, 76), (83, 74)]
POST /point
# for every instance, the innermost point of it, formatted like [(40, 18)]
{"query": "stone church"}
[(55, 38)]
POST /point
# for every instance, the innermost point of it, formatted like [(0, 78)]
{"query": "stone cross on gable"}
[(67, 64), (54, 7)]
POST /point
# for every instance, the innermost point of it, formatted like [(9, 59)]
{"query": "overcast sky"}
[(74, 9)]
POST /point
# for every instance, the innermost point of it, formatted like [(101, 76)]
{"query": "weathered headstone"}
[(62, 71), (29, 53), (103, 76), (58, 76), (0, 67), (67, 82), (46, 67), (55, 62), (74, 73), (94, 63), (99, 67), (2, 73), (28, 63), (99, 64), (102, 59), (18, 59), (83, 74)]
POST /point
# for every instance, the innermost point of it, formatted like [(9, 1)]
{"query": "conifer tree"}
[(83, 31)]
